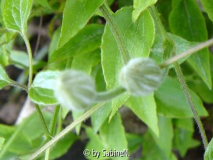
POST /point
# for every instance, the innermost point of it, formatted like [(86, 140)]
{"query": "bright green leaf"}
[(171, 100), (74, 21), (138, 38), (140, 6), (1, 142), (42, 89), (145, 109), (4, 79), (134, 141), (208, 5), (87, 40), (16, 13), (209, 151), (113, 135), (186, 20)]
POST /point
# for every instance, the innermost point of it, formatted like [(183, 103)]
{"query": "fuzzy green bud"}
[(75, 90), (141, 76)]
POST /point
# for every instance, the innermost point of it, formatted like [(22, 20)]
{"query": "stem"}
[(190, 102), (66, 130), (47, 133), (16, 84), (47, 154), (29, 51), (39, 35), (187, 53), (54, 120), (108, 95), (12, 138), (116, 33), (180, 77)]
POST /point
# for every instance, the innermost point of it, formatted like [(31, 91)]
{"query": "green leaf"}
[(208, 5), (16, 13), (138, 38), (4, 79), (113, 135), (87, 40), (62, 146), (134, 141), (44, 3), (20, 145), (86, 61), (183, 139), (140, 6), (94, 143), (186, 20), (209, 151), (100, 116), (171, 101), (1, 142), (75, 16), (42, 89), (181, 45), (145, 108), (159, 148), (164, 141)]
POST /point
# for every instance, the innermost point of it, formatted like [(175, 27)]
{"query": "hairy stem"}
[(16, 84), (54, 120), (29, 51), (46, 131), (116, 33), (66, 130), (109, 95), (187, 53), (180, 75)]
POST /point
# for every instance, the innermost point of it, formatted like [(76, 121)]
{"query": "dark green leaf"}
[(171, 101), (208, 5), (183, 139), (74, 21), (186, 20)]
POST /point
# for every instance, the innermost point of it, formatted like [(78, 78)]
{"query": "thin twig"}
[(39, 35), (187, 53)]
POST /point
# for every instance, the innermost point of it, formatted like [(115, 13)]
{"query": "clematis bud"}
[(75, 90), (141, 76)]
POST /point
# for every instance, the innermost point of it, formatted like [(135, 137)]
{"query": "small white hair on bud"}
[(75, 90), (140, 76)]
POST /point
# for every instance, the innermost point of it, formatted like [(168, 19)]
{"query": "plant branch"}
[(16, 84), (180, 76), (187, 53), (66, 130), (46, 131), (29, 51), (116, 33), (108, 95), (39, 35)]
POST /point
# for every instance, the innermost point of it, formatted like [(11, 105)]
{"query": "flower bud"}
[(141, 76), (75, 90)]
